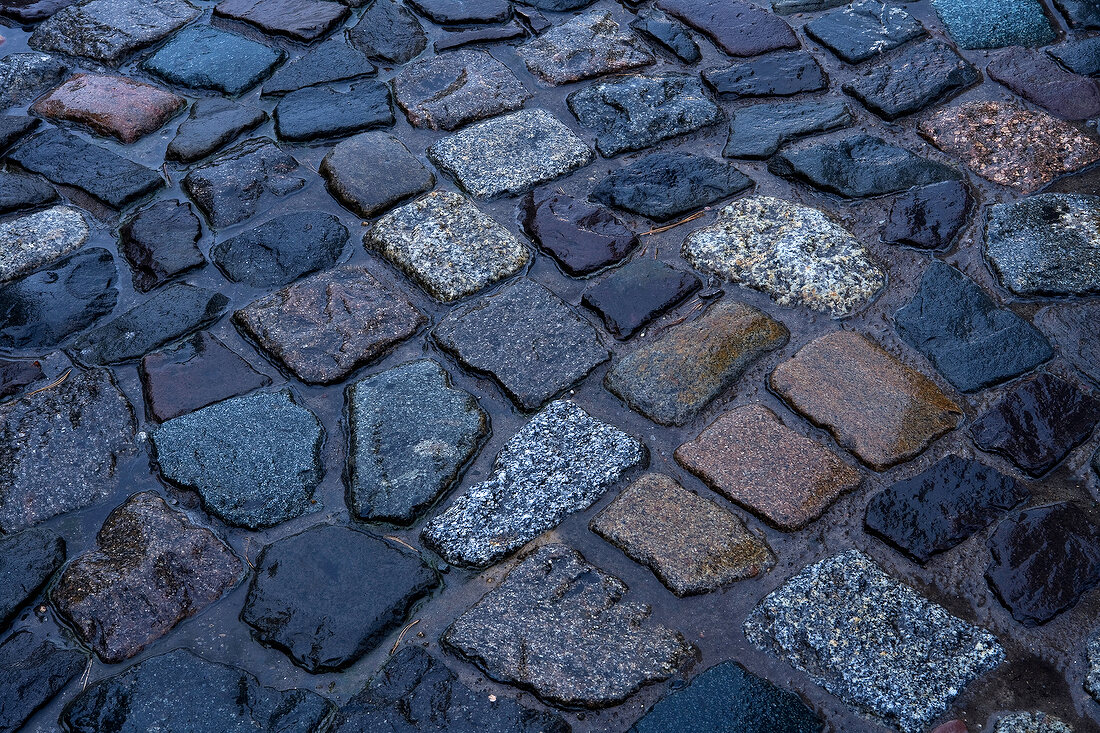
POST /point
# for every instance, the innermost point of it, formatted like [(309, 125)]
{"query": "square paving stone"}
[(203, 57), (388, 32), (373, 172), (874, 405), (690, 543), (912, 78), (28, 242), (738, 28), (995, 23), (864, 29), (302, 20), (775, 75), (757, 131), (110, 105), (324, 111), (282, 249), (583, 47), (510, 154), (753, 459), (928, 217), (873, 642), (330, 61), (526, 338), (1040, 79), (580, 237), (160, 242), (211, 124), (326, 326), (636, 293)]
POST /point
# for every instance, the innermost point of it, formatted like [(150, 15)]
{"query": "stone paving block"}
[(211, 124), (864, 29), (911, 79), (757, 131), (928, 217), (667, 33), (1039, 79), (995, 23), (738, 28), (160, 242), (582, 47), (463, 12), (32, 11), (282, 249), (108, 31), (31, 241), (14, 128), (1031, 721), (15, 374), (27, 560), (330, 61), (373, 172), (1070, 325), (324, 111), (302, 20), (388, 32), (775, 75), (20, 191), (636, 293), (204, 57), (580, 237), (24, 76), (35, 669), (452, 39), (1080, 13), (1081, 55)]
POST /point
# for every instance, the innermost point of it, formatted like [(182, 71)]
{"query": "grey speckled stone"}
[(411, 433), (110, 30), (1031, 722), (447, 245), (38, 239), (510, 154), (995, 23), (873, 642), (564, 629), (1092, 679), (254, 459), (794, 253), (560, 462), (583, 47), (757, 131), (23, 76)]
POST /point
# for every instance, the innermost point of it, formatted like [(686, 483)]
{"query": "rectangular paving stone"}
[(204, 57), (911, 79), (583, 47), (332, 60), (864, 29), (776, 75), (302, 20), (738, 28), (110, 105), (758, 130), (995, 23), (326, 111)]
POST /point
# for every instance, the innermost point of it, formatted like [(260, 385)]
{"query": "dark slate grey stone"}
[(15, 374), (387, 31), (27, 560), (995, 23), (1072, 326), (864, 29), (911, 79), (24, 76), (35, 669), (774, 75), (928, 217), (738, 28), (411, 434), (758, 130), (462, 12), (373, 172), (582, 238), (160, 242), (669, 34), (31, 11), (636, 293), (789, 7), (323, 111), (211, 124), (303, 597), (19, 191), (14, 128), (180, 691), (664, 185), (204, 57), (557, 6), (938, 508), (282, 250), (1081, 56), (970, 340), (535, 20), (1080, 13), (332, 60), (1039, 79), (302, 20), (452, 39)]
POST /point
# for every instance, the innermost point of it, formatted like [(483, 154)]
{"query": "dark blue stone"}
[(282, 250), (864, 29), (203, 57), (333, 60), (317, 112), (928, 217), (774, 75), (19, 191), (27, 560)]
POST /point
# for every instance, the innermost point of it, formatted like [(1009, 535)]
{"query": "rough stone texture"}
[(636, 293), (690, 543), (1081, 56), (23, 76), (758, 131), (1080, 13), (14, 128), (328, 325), (447, 91), (873, 642), (447, 245), (750, 457), (671, 379), (372, 172), (1037, 423), (31, 11), (775, 75), (995, 23), (510, 154), (451, 39), (324, 111), (864, 29), (668, 34), (788, 7), (15, 374), (218, 699), (411, 433), (874, 405), (388, 32), (255, 460), (639, 111), (582, 238), (302, 20), (27, 560), (84, 425), (1092, 679), (794, 253), (1038, 78), (738, 28), (1031, 722), (525, 337), (34, 671), (938, 508), (37, 239), (330, 61), (160, 242), (560, 462), (912, 78), (564, 629), (282, 249), (153, 568), (972, 341), (1071, 328), (110, 30), (462, 12), (19, 191), (928, 217), (582, 47), (211, 124), (203, 57)]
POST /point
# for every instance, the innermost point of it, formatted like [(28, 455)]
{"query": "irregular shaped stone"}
[(1081, 56), (582, 47), (84, 425), (775, 75), (14, 128), (1070, 326), (455, 39), (758, 131), (160, 241), (302, 20), (24, 76), (557, 6), (110, 30), (32, 11), (562, 461), (970, 340), (1031, 722), (928, 217), (789, 7), (1039, 79), (462, 12), (864, 29), (447, 91), (1092, 678), (751, 458), (873, 642), (218, 699), (859, 166), (995, 23), (911, 79), (373, 172), (510, 154), (690, 543), (639, 111), (282, 249), (668, 34), (242, 181), (172, 312), (636, 293), (152, 568), (874, 405), (329, 324), (447, 245), (211, 124), (299, 602), (323, 111), (1080, 13), (670, 380), (27, 560), (15, 374), (204, 57), (388, 32), (794, 253), (35, 670), (330, 61), (580, 237), (662, 186), (1037, 423), (37, 239), (738, 28)]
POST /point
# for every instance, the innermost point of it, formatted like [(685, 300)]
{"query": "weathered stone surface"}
[(972, 341), (328, 325), (110, 30), (27, 560), (37, 239), (560, 462), (510, 154), (928, 217), (557, 6), (34, 671), (451, 39), (211, 124), (872, 641), (1081, 56), (670, 380), (668, 34), (995, 23), (738, 28), (110, 105), (23, 76), (299, 599), (564, 629), (1080, 13), (1037, 423), (750, 457), (1071, 327), (639, 111), (938, 508), (173, 311), (31, 11), (1038, 78), (582, 238), (330, 61), (582, 47), (758, 131), (324, 111), (636, 293), (15, 374), (1092, 678), (388, 32), (788, 7), (462, 12), (1044, 559), (282, 249), (911, 78), (373, 172), (874, 405), (1031, 722), (775, 75), (864, 29), (302, 20), (255, 460), (690, 543), (446, 245), (180, 691), (160, 241), (14, 128), (794, 253), (84, 425), (525, 337), (153, 568), (447, 91), (411, 433), (204, 57)]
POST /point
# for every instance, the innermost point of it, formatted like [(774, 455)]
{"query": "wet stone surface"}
[(15, 374), (864, 29), (758, 131), (738, 28), (1038, 78), (282, 250), (1080, 57), (35, 670), (23, 76), (1092, 680), (203, 57), (1031, 722), (1073, 335), (37, 239), (160, 242), (330, 61), (668, 34), (775, 75), (19, 191), (582, 238), (928, 217), (14, 128), (995, 23), (211, 124), (588, 45), (636, 293), (373, 172), (388, 32), (461, 12), (324, 111), (27, 560), (302, 20)]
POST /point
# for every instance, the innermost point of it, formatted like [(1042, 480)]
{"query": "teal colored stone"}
[(995, 23), (203, 57)]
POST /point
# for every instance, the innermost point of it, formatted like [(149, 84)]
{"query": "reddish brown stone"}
[(955, 726), (110, 105), (752, 458), (874, 405)]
